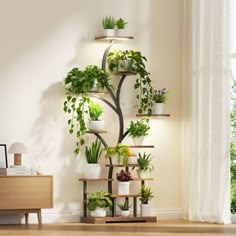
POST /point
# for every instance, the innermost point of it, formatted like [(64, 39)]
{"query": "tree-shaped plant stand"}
[(114, 104)]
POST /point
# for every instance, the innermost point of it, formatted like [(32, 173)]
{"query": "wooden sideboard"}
[(26, 194)]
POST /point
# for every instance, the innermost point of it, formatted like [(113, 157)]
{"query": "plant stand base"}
[(104, 220)]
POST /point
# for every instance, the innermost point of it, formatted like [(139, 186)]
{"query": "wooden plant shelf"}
[(96, 132), (160, 115), (142, 146), (121, 196), (129, 165), (141, 179), (108, 38), (101, 179), (104, 220), (127, 73)]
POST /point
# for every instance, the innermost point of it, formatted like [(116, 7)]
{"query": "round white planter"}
[(132, 160), (92, 171), (158, 108), (96, 125), (138, 140), (145, 210), (124, 213), (98, 212), (123, 188), (142, 174), (109, 32)]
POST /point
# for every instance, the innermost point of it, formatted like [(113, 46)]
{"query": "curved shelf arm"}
[(105, 101), (124, 135), (104, 58)]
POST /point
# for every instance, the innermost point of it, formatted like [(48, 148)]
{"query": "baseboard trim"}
[(50, 216)]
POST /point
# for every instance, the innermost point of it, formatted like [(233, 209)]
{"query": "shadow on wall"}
[(52, 147)]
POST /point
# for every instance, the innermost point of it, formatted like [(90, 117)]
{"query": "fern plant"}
[(94, 152), (145, 194), (108, 22), (121, 23)]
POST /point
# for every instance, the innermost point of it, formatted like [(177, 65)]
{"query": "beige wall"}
[(40, 42)]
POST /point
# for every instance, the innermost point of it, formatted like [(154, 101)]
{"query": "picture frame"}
[(3, 156)]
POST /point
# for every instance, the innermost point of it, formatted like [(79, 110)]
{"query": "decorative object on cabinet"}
[(120, 24), (109, 24), (95, 112), (145, 196), (17, 149), (81, 82), (138, 130), (124, 208), (98, 202), (93, 154), (159, 100), (144, 165), (3, 156), (26, 194)]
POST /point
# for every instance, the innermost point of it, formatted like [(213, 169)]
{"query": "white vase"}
[(132, 160), (98, 212), (124, 213), (92, 171), (120, 32), (158, 108), (145, 210), (142, 174), (110, 32), (138, 140), (96, 125), (123, 188)]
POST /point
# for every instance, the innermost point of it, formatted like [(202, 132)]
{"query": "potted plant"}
[(124, 208), (123, 185), (120, 24), (78, 84), (93, 154), (98, 202), (132, 158), (119, 154), (159, 99), (144, 165), (109, 24), (138, 130), (95, 112), (134, 61), (145, 196)]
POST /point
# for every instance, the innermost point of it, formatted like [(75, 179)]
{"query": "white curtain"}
[(206, 111)]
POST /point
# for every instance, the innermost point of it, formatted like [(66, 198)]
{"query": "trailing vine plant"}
[(78, 84), (134, 62)]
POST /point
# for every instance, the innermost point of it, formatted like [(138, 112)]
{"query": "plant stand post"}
[(85, 198), (135, 206), (113, 207)]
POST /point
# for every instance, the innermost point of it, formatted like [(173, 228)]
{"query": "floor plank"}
[(166, 228)]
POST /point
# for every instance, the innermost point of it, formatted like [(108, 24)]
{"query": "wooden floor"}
[(166, 228)]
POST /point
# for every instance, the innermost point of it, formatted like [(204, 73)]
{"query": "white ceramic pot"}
[(124, 213), (123, 188), (138, 140), (92, 171), (109, 32), (98, 212), (120, 32), (124, 66), (132, 160), (96, 125), (158, 108), (143, 174), (145, 210)]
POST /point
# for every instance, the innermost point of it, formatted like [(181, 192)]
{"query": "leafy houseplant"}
[(123, 176), (94, 152), (136, 64), (124, 208), (144, 162), (160, 96), (145, 194), (108, 22), (121, 23), (139, 128), (120, 151), (95, 110), (99, 200), (78, 84)]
